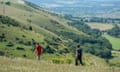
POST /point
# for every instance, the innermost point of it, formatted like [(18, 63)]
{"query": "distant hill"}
[(83, 8)]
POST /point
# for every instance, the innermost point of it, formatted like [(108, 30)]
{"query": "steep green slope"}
[(28, 15), (55, 34), (46, 29)]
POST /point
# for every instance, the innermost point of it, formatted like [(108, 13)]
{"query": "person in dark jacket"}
[(78, 56)]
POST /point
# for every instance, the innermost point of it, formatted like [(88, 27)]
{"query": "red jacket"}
[(38, 49)]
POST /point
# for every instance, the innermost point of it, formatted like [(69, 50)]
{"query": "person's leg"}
[(81, 60), (76, 61), (38, 57)]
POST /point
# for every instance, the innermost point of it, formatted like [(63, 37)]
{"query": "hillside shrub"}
[(29, 20), (114, 32), (49, 49), (2, 53), (28, 43), (30, 28), (24, 56), (23, 36), (8, 3), (54, 22), (10, 44), (9, 21), (62, 60), (5, 40), (17, 39), (21, 42), (20, 48), (2, 37)]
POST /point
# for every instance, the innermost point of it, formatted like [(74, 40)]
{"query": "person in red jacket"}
[(38, 50)]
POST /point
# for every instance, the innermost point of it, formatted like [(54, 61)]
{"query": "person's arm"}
[(76, 53), (40, 50)]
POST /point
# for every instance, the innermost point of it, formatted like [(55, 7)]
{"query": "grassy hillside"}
[(29, 15), (46, 28), (53, 32), (57, 38), (114, 41), (100, 26), (26, 65)]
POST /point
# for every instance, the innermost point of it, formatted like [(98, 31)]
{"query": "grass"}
[(115, 61), (41, 23), (38, 18), (12, 32), (100, 26), (114, 41), (27, 65)]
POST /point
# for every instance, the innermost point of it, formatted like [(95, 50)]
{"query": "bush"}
[(2, 53), (2, 37), (24, 56), (20, 48), (30, 28), (62, 60), (68, 61), (10, 44), (17, 38), (58, 60), (23, 36), (28, 43), (114, 32), (8, 21), (8, 3), (49, 49), (21, 42)]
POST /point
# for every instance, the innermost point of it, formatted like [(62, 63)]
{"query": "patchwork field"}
[(100, 26), (114, 41)]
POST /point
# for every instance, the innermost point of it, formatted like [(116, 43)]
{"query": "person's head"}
[(78, 46), (37, 43), (33, 40)]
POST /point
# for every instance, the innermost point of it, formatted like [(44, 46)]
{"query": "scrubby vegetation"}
[(89, 39), (115, 32), (7, 20), (57, 37)]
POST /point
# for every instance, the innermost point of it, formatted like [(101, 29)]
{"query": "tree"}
[(30, 28), (8, 3)]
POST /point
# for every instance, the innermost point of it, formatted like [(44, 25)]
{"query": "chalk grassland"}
[(24, 14), (26, 65)]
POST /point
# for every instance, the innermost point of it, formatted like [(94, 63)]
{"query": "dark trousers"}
[(78, 58)]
